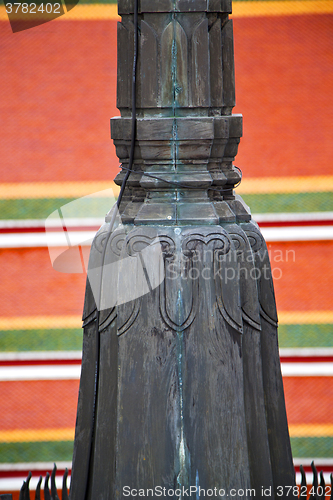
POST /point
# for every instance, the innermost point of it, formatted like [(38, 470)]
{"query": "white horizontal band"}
[(318, 461), (39, 355), (297, 233), (98, 221), (307, 369), (46, 372), (56, 222), (71, 372), (34, 466), (292, 216), (65, 355), (309, 478), (300, 352), (84, 238), (50, 239), (15, 483)]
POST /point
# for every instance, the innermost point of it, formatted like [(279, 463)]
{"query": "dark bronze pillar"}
[(189, 390)]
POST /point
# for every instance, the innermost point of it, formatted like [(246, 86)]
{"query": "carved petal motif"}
[(247, 273), (174, 66), (228, 64), (125, 44), (215, 46), (149, 83), (218, 252), (140, 272), (178, 295), (97, 273), (200, 66), (265, 281)]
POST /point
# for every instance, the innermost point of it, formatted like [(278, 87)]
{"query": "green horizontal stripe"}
[(312, 447), (41, 208), (70, 339), (57, 451), (41, 340), (289, 202), (306, 335), (44, 451)]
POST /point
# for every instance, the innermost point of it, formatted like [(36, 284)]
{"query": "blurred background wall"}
[(58, 92)]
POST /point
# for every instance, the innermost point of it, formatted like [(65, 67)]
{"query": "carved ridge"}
[(248, 284), (131, 319), (265, 285), (233, 318), (108, 320)]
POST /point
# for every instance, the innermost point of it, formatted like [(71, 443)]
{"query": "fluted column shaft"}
[(185, 95)]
